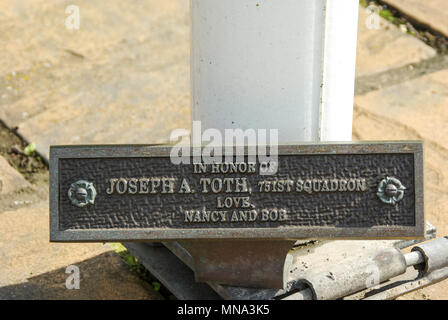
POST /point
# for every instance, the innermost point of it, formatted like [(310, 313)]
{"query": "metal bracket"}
[(256, 264)]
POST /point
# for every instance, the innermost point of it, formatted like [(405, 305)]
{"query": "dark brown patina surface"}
[(343, 201)]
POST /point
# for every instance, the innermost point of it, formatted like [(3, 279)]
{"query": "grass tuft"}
[(135, 265)]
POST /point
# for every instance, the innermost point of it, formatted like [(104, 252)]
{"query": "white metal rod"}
[(413, 258), (419, 283)]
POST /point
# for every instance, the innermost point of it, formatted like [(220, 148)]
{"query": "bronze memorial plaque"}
[(362, 190)]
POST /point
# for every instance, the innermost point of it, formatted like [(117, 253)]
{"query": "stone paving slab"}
[(33, 268), (386, 48), (420, 105), (123, 77), (433, 13), (10, 179)]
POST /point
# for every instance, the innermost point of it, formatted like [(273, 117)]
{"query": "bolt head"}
[(391, 190), (81, 194)]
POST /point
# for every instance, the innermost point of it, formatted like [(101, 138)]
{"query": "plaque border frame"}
[(279, 233)]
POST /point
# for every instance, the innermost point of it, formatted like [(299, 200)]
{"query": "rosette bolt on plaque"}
[(82, 193), (390, 190)]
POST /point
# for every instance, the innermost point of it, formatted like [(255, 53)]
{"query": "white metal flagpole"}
[(269, 64), (339, 59)]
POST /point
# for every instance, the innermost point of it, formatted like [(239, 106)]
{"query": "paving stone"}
[(420, 105), (10, 179), (414, 110), (123, 77), (33, 268), (433, 13), (386, 48)]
